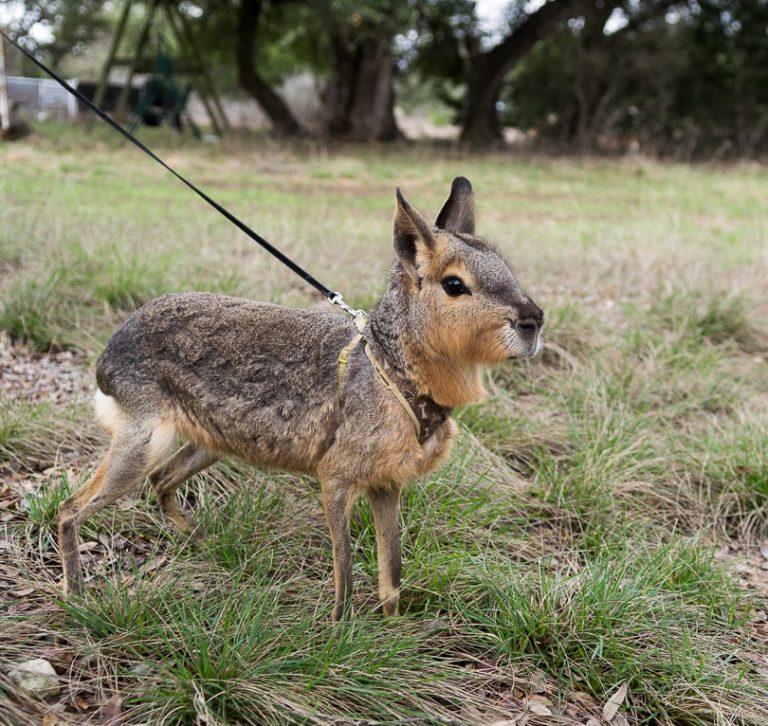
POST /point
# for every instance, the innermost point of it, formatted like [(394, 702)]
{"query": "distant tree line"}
[(676, 78)]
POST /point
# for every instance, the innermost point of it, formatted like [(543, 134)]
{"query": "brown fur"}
[(258, 381)]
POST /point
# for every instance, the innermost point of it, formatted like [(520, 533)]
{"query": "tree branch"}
[(515, 46), (279, 114)]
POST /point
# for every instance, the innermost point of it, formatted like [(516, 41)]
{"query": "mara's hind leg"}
[(186, 462), (133, 453)]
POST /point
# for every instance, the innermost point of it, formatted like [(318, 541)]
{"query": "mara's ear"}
[(458, 212), (413, 237)]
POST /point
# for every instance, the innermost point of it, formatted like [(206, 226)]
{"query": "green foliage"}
[(75, 25), (678, 79), (241, 534), (695, 86), (729, 463), (700, 318)]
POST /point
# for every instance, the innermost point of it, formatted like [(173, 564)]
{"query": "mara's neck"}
[(396, 334)]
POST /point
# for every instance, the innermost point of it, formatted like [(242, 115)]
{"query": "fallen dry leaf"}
[(611, 708), (83, 704), (539, 708), (112, 713), (584, 699), (538, 681), (22, 591), (50, 719), (152, 565)]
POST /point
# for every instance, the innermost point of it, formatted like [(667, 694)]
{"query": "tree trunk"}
[(481, 121), (360, 97), (591, 87), (487, 71), (5, 112), (283, 120)]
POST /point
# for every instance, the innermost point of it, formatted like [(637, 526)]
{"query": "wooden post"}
[(101, 90), (122, 101), (187, 51), (197, 57), (5, 113)]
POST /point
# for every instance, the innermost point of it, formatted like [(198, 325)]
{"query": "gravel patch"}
[(56, 377)]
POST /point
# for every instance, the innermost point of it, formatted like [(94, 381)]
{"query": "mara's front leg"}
[(385, 504), (338, 498)]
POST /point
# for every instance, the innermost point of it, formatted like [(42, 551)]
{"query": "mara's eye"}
[(454, 286)]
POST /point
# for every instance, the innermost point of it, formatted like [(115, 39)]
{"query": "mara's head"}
[(461, 290)]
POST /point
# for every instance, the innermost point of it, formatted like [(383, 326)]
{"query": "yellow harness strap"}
[(346, 351), (344, 359), (360, 320), (395, 390)]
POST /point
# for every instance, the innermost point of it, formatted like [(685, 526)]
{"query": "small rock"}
[(36, 678)]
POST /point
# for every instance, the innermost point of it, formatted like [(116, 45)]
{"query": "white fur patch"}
[(108, 412), (162, 441), (113, 419)]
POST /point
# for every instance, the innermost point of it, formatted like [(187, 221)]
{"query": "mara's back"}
[(238, 376)]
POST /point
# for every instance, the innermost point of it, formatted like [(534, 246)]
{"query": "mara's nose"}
[(527, 327)]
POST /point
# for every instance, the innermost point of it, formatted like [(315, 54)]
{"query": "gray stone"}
[(36, 677)]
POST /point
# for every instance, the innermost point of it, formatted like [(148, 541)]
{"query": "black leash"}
[(334, 297)]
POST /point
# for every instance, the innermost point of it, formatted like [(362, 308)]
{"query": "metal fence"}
[(44, 97)]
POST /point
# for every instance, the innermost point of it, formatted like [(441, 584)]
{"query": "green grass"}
[(43, 505), (574, 541), (244, 655), (651, 619)]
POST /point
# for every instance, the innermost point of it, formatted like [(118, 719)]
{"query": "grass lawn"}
[(597, 529)]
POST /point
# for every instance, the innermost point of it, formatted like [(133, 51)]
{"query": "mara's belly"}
[(275, 437)]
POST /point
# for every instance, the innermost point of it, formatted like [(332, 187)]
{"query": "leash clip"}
[(360, 316)]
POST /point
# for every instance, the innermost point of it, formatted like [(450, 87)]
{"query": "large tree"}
[(346, 44), (250, 80), (486, 69), (359, 96)]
